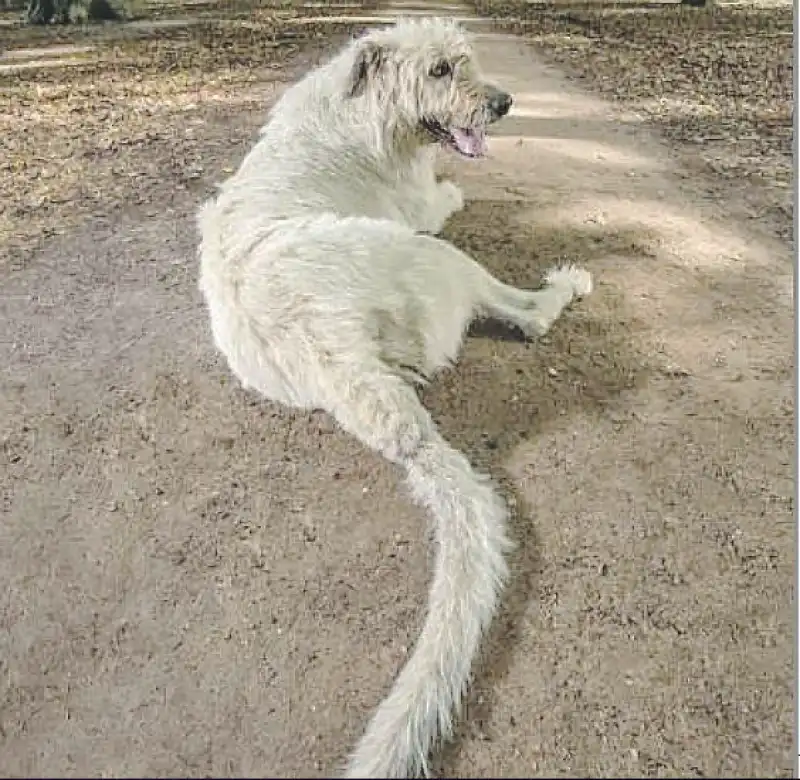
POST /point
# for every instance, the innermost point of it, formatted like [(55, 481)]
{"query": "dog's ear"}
[(369, 58)]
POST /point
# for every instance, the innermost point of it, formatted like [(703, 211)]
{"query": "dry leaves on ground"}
[(98, 127), (717, 81)]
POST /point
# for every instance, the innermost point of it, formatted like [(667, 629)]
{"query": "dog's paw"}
[(446, 201), (451, 197), (577, 279)]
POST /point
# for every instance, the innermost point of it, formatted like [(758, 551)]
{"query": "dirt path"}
[(198, 583)]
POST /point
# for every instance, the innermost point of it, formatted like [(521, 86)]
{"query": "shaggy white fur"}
[(325, 292)]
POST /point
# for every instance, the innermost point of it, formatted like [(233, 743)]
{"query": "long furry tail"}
[(470, 572)]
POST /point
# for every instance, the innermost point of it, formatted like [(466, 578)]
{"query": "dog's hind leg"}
[(379, 407), (466, 290), (535, 311)]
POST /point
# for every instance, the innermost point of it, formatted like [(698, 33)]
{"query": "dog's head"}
[(424, 77)]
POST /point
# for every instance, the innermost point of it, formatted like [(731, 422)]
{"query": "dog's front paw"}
[(447, 200), (450, 197)]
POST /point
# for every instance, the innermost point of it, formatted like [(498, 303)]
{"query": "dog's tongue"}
[(471, 143)]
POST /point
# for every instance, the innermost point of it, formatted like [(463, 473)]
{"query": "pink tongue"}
[(470, 142)]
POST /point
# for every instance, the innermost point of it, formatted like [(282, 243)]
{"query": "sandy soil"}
[(198, 583)]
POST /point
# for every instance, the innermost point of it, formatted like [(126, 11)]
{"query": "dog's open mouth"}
[(469, 142)]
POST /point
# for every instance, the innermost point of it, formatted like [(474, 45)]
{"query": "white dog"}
[(324, 292)]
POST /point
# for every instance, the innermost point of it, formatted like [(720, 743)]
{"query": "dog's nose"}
[(500, 103)]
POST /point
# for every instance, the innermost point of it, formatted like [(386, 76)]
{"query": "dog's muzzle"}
[(499, 103), (470, 140)]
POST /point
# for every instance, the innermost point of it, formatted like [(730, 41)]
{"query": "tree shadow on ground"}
[(505, 391)]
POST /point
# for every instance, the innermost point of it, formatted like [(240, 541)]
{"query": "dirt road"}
[(198, 583)]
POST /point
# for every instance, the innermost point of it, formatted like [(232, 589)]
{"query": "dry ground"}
[(716, 82), (100, 119), (198, 583)]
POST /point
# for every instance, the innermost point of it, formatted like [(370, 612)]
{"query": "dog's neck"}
[(395, 141), (407, 142)]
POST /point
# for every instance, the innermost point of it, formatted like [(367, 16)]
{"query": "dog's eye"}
[(441, 69)]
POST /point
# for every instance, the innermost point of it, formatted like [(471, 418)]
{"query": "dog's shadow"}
[(507, 397), (494, 330)]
